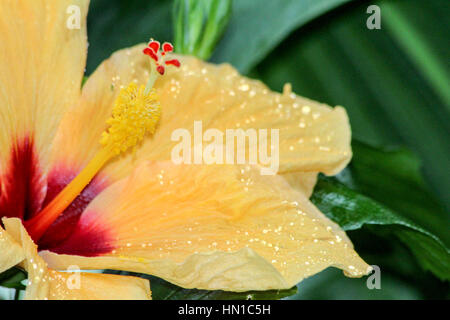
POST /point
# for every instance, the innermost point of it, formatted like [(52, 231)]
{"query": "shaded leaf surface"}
[(256, 27), (13, 278), (163, 290), (352, 211)]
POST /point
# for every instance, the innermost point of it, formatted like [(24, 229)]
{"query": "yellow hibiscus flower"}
[(68, 200)]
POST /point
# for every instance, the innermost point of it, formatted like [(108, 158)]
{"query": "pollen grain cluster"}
[(134, 114)]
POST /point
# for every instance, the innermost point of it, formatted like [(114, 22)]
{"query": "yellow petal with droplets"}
[(11, 251), (313, 136), (302, 181), (211, 227), (44, 283), (41, 67)]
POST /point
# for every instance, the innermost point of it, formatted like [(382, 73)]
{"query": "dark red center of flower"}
[(25, 191)]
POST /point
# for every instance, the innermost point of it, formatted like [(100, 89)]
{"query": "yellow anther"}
[(135, 113)]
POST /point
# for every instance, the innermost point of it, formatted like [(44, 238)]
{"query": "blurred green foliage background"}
[(394, 83)]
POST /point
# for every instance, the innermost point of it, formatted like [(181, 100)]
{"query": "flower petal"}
[(11, 251), (313, 136), (210, 227), (302, 181), (41, 67), (44, 283), (77, 139)]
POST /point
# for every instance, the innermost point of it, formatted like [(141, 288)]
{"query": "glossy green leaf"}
[(392, 176), (352, 210), (256, 27)]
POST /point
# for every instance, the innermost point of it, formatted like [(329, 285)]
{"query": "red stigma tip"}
[(167, 47), (160, 69), (173, 62), (154, 45), (154, 52), (151, 53)]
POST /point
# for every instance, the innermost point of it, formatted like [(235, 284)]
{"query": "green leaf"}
[(432, 255), (199, 24), (352, 210), (256, 27), (392, 176), (415, 45), (13, 278), (163, 290)]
